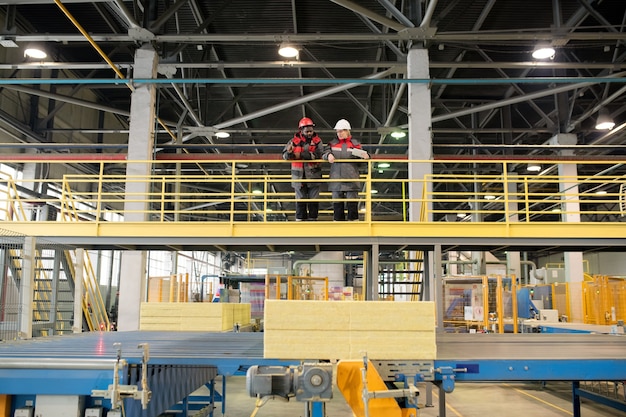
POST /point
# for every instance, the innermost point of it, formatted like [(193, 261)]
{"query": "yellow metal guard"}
[(351, 387)]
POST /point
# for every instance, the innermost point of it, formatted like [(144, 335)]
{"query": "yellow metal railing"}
[(15, 208), (604, 300), (262, 193), (168, 289)]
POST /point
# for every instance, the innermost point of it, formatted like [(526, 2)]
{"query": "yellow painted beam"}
[(319, 229)]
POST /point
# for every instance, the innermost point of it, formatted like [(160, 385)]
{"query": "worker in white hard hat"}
[(344, 193)]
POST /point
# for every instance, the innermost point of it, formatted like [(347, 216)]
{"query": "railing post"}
[(163, 191), (368, 192), (99, 196), (505, 188), (232, 193)]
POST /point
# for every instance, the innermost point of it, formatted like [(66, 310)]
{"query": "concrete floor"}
[(467, 400)]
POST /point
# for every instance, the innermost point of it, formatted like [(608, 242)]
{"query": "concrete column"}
[(372, 272), (436, 290), (140, 148), (420, 132), (27, 282), (574, 271), (513, 261), (77, 326)]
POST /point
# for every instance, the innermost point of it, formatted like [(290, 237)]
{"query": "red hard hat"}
[(305, 121)]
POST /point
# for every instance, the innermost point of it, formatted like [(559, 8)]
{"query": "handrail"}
[(489, 193)]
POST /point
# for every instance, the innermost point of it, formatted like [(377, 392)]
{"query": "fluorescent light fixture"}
[(544, 52), (374, 191), (601, 192), (533, 167), (490, 197), (604, 121), (35, 52), (398, 134), (384, 165), (257, 191), (8, 43), (222, 135), (556, 210), (288, 50), (461, 215)]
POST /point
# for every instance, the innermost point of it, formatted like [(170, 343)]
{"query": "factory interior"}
[(155, 261)]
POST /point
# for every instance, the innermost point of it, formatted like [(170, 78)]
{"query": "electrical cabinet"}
[(94, 412), (59, 406), (24, 412)]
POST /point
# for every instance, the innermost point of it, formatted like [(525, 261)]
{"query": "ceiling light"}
[(601, 192), (222, 134), (461, 215), (604, 120), (490, 197), (398, 134), (533, 167), (8, 43), (544, 52), (374, 191), (257, 191), (35, 52), (384, 165), (288, 50)]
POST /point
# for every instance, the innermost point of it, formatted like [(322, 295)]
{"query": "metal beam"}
[(414, 34)]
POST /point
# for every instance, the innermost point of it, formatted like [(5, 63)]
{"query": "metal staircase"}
[(54, 276)]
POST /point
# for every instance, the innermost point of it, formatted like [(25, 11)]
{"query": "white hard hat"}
[(343, 124)]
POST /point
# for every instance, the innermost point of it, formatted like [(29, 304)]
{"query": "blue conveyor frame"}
[(181, 362)]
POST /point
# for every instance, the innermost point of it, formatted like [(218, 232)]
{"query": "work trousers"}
[(307, 210), (340, 206)]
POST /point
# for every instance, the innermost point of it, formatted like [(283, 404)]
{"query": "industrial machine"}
[(311, 383), (363, 388)]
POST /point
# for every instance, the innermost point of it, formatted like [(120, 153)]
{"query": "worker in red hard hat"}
[(303, 149)]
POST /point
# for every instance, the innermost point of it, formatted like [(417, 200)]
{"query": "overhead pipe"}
[(296, 264), (393, 10), (91, 157), (104, 56), (70, 100), (121, 10), (301, 100), (399, 66), (430, 10), (357, 8), (527, 97), (341, 83)]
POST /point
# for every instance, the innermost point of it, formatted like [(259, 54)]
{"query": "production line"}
[(180, 362)]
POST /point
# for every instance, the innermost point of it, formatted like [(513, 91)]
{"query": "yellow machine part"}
[(5, 405), (351, 387)]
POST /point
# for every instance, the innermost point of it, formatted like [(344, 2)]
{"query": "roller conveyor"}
[(84, 362), (597, 356)]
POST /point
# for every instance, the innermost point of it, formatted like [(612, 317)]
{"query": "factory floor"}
[(467, 400)]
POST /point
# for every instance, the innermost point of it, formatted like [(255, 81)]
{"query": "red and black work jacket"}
[(304, 150)]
